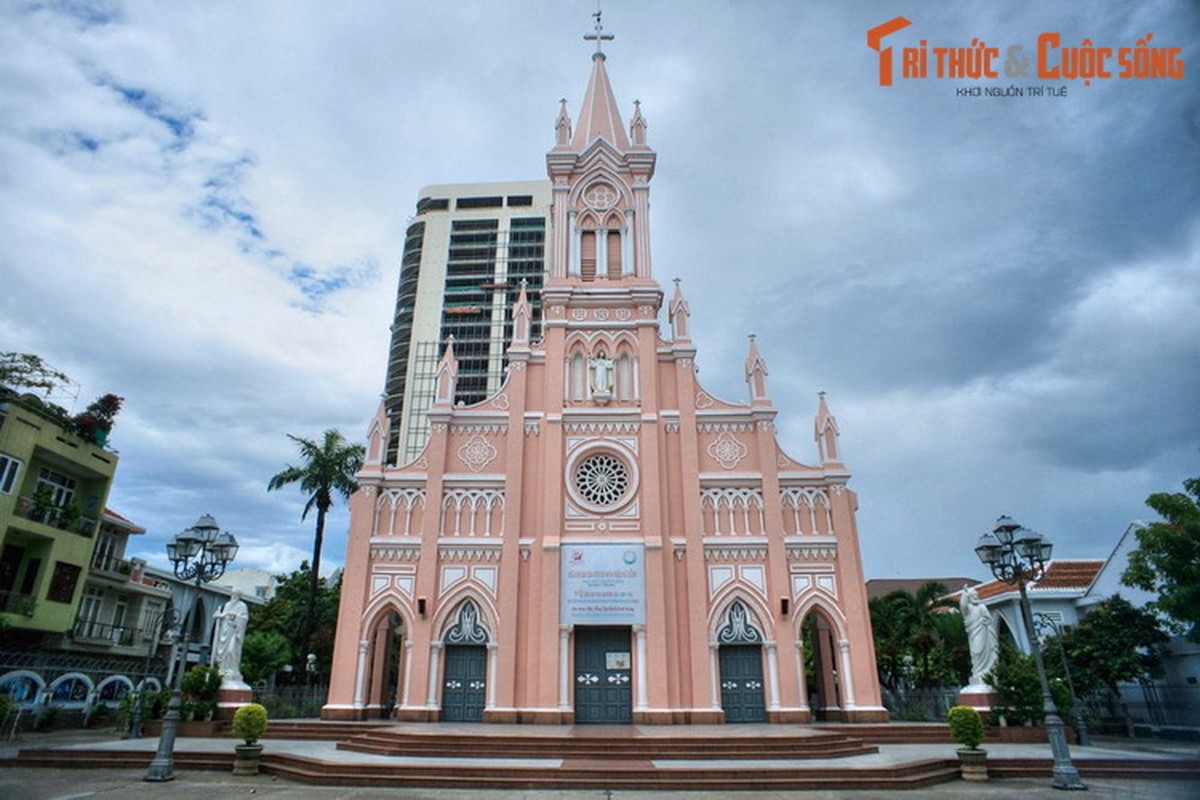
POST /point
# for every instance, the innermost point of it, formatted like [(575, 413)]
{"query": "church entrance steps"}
[(315, 730), (320, 763), (1175, 769), (613, 742), (614, 773)]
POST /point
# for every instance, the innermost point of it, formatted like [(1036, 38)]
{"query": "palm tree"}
[(328, 467)]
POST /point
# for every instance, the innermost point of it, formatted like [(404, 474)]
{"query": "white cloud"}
[(203, 210)]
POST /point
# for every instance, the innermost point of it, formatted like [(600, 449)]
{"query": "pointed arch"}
[(400, 511), (452, 606), (587, 220), (383, 679), (576, 386), (822, 650), (821, 604), (799, 506), (626, 380), (758, 614), (390, 601)]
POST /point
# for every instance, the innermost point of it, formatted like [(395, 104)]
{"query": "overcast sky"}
[(202, 207)]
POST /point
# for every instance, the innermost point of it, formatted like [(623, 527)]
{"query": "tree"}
[(328, 468), (916, 642), (1167, 559), (263, 654), (1015, 679), (27, 371), (285, 612), (1115, 643)]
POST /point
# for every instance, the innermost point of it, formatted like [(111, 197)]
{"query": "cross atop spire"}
[(599, 35)]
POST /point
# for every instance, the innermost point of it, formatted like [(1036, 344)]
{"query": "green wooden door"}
[(742, 683), (603, 676)]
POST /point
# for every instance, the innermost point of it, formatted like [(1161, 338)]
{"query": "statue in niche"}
[(981, 635), (600, 372)]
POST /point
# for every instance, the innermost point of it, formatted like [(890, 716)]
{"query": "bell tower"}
[(601, 187)]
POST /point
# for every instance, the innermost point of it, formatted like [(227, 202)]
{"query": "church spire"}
[(825, 430), (756, 375), (446, 380), (598, 116), (562, 126), (678, 314)]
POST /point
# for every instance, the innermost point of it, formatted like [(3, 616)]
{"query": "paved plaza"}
[(39, 783)]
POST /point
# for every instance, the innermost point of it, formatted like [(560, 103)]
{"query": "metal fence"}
[(920, 705), (1152, 707), (292, 702)]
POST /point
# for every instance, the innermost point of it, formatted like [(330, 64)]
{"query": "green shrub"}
[(966, 726), (250, 722), (202, 682), (1015, 679)]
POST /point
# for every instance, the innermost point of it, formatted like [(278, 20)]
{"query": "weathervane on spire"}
[(599, 35)]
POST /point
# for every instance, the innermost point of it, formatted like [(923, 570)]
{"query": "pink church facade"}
[(603, 540)]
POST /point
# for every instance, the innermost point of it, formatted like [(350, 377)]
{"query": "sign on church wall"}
[(603, 584)]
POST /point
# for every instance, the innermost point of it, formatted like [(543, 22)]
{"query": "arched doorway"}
[(821, 670), (384, 687), (464, 678), (740, 662)]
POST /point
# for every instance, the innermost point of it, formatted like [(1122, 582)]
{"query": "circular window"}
[(602, 479)]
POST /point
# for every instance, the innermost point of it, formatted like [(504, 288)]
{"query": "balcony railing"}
[(55, 517), (111, 565), (93, 632), (17, 603)]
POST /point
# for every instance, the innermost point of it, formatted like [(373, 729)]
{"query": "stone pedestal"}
[(980, 697), (231, 696)]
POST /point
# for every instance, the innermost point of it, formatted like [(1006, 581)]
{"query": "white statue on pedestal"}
[(981, 635), (601, 372), (227, 639)]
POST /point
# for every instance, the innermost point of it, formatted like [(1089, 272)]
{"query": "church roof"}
[(1061, 575), (598, 116)]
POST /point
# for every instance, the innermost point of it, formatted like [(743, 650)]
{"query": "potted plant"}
[(96, 422), (966, 728), (42, 507), (249, 724)]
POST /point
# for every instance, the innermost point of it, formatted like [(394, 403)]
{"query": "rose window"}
[(601, 197), (602, 479)]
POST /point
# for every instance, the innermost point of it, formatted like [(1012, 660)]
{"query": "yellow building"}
[(53, 488)]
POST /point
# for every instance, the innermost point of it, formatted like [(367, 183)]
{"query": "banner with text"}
[(603, 584)]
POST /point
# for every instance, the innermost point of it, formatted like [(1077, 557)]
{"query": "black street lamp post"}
[(1017, 555), (202, 552), (1045, 623), (168, 622)]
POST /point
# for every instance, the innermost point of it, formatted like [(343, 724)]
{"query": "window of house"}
[(89, 612), (63, 582), (9, 468), (106, 551), (61, 488)]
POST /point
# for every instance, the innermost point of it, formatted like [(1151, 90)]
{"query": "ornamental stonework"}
[(477, 453), (727, 450)]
